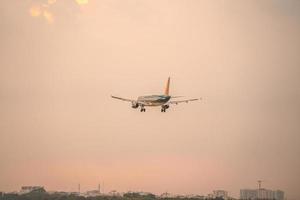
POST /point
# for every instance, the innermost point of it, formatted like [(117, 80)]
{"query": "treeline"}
[(126, 196)]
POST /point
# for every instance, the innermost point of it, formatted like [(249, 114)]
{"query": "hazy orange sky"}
[(61, 60)]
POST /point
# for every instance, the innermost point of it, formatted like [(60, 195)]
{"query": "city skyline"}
[(245, 194)]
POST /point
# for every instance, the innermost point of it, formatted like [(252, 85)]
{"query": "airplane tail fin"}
[(167, 87)]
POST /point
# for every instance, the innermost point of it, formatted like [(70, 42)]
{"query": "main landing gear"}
[(143, 109), (164, 108)]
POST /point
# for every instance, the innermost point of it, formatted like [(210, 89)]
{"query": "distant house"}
[(220, 194), (27, 189)]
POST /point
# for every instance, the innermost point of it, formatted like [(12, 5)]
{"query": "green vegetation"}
[(42, 195)]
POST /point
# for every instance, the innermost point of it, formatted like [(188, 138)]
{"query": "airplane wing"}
[(182, 101), (123, 99)]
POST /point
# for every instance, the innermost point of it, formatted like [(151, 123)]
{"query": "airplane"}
[(163, 100)]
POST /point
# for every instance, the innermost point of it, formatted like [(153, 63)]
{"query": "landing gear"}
[(143, 109), (164, 108)]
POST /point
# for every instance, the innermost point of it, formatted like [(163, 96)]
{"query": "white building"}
[(265, 194), (278, 195), (248, 194), (254, 194)]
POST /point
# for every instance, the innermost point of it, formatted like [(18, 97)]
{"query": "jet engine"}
[(134, 104)]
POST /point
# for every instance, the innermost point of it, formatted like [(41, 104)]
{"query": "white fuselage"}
[(153, 100)]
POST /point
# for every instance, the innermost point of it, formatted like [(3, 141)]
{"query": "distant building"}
[(248, 194), (74, 193), (199, 197), (255, 194), (220, 193), (114, 193), (278, 195), (265, 194), (165, 195), (62, 193), (93, 193), (27, 189)]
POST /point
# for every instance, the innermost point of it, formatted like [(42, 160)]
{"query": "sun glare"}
[(82, 2), (48, 16), (44, 10), (51, 1), (35, 11)]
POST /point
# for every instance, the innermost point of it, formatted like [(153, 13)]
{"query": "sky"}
[(60, 60)]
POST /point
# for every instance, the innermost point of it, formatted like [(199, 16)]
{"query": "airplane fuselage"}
[(153, 100)]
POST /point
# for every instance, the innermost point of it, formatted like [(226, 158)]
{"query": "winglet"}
[(167, 87)]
